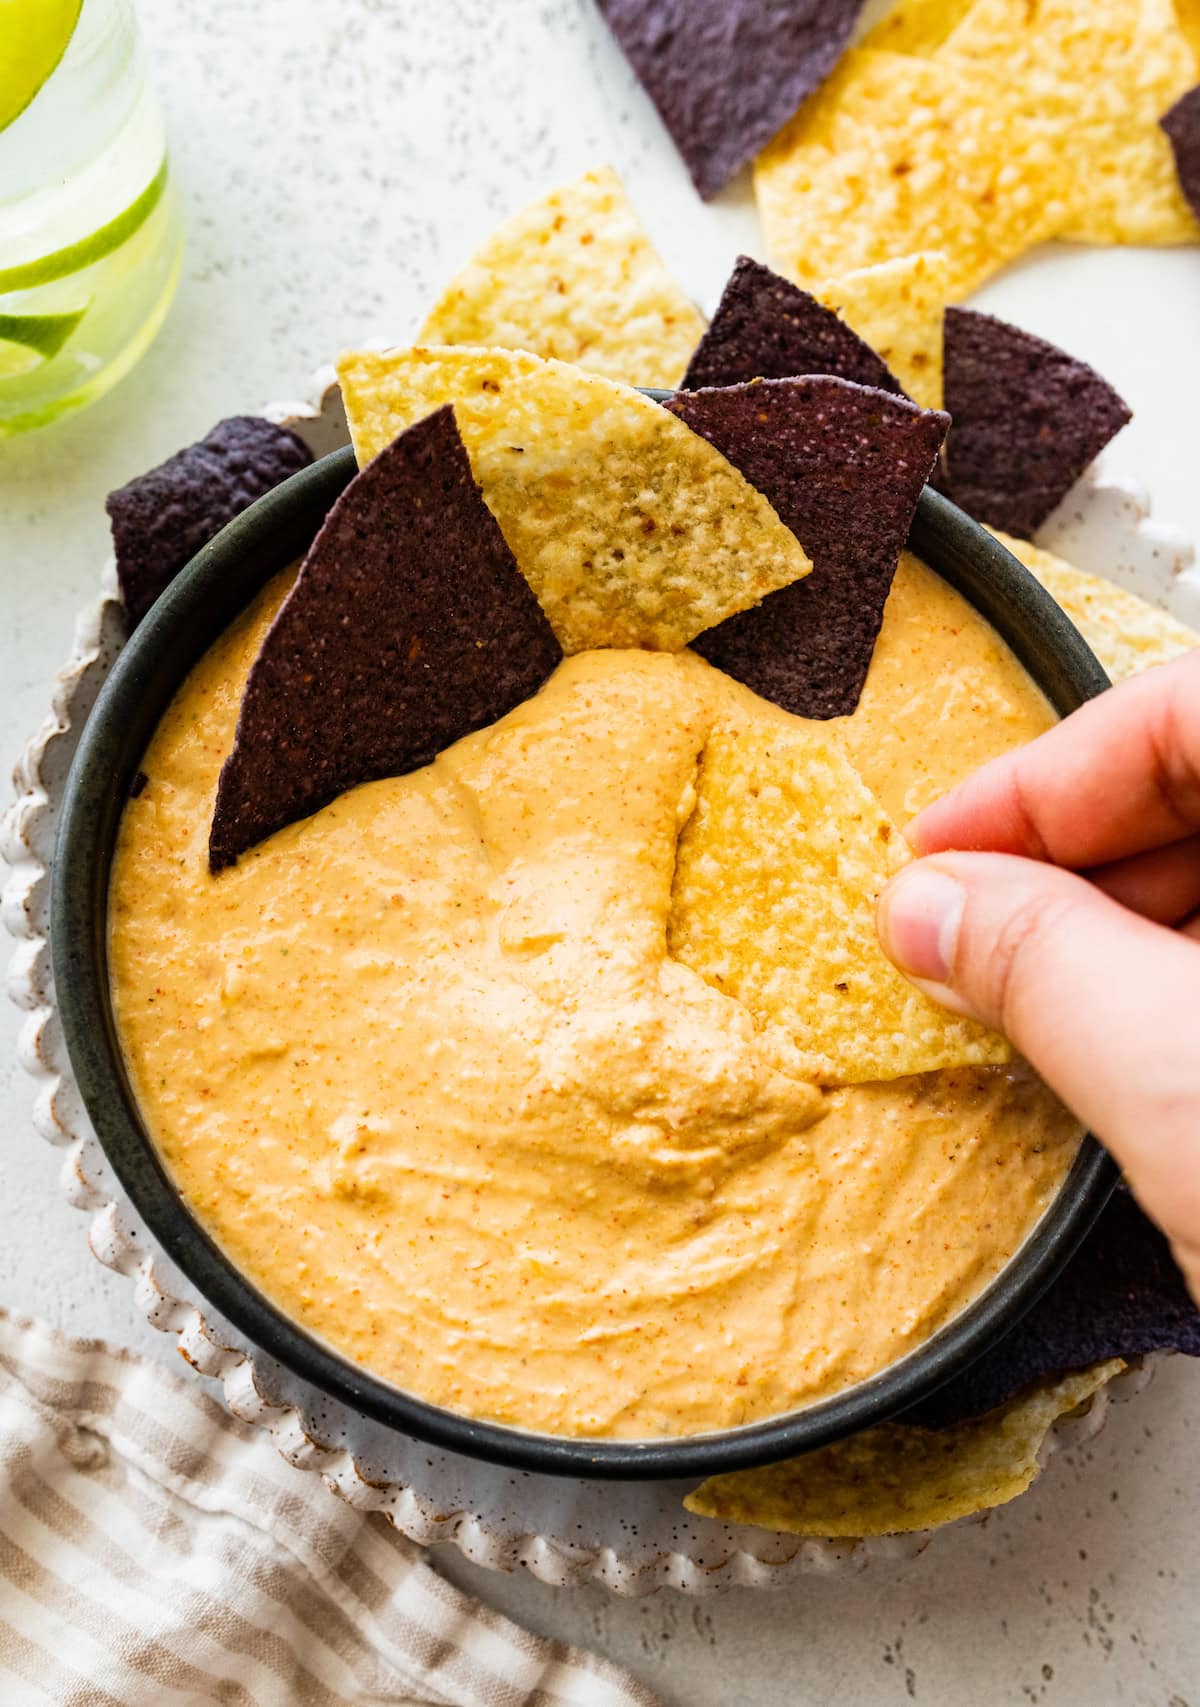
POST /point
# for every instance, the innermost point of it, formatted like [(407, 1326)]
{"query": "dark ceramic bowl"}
[(191, 614)]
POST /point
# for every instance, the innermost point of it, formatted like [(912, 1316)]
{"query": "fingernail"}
[(918, 919)]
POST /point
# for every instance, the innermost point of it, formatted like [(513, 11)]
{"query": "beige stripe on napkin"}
[(154, 1550)]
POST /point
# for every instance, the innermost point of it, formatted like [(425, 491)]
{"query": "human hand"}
[(1073, 924)]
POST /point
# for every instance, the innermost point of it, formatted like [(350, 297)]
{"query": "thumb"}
[(1103, 1004)]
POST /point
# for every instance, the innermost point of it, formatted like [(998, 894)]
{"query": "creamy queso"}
[(423, 1066)]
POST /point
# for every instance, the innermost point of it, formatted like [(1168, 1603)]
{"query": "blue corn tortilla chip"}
[(1121, 1295), (1027, 419), (725, 75), (767, 328), (1182, 125), (843, 466), (409, 626), (161, 519)]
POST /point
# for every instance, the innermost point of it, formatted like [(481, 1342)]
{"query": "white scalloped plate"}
[(631, 1537)]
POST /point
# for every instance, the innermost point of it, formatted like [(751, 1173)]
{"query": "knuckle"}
[(1176, 745), (1025, 810), (1013, 958)]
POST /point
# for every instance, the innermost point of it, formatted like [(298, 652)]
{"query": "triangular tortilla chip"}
[(1187, 16), (409, 626), (896, 1478), (1107, 72), (767, 328), (843, 466), (916, 26), (1026, 420), (777, 874), (897, 308), (1125, 632), (574, 276), (1181, 125), (725, 74), (631, 530), (898, 156), (1097, 79), (161, 519)]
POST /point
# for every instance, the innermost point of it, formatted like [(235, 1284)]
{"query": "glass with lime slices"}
[(90, 235)]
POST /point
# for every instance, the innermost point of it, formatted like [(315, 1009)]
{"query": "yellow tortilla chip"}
[(1187, 16), (916, 26), (898, 308), (982, 130), (897, 1478), (630, 528), (1101, 76), (776, 878), (899, 156), (1125, 632), (574, 276)]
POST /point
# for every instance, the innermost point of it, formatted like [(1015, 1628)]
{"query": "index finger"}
[(1116, 777)]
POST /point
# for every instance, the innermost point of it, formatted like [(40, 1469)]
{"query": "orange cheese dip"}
[(424, 1067)]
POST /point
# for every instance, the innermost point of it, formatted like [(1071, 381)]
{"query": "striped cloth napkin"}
[(154, 1550)]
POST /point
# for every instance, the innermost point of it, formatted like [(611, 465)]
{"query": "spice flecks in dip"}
[(423, 1064)]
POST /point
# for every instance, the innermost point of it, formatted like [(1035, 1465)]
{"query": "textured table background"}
[(337, 159)]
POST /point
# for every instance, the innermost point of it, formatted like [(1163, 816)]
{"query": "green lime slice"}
[(15, 360), (39, 336), (91, 248), (33, 38)]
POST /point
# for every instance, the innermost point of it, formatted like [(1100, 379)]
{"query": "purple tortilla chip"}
[(1121, 1295), (725, 75), (409, 626), (1027, 419), (844, 466), (767, 328), (161, 519), (1182, 125)]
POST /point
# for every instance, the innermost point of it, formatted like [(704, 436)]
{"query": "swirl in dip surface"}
[(423, 1065)]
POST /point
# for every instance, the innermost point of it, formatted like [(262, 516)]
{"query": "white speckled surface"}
[(337, 158)]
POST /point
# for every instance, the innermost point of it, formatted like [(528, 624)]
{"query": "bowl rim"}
[(197, 606)]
